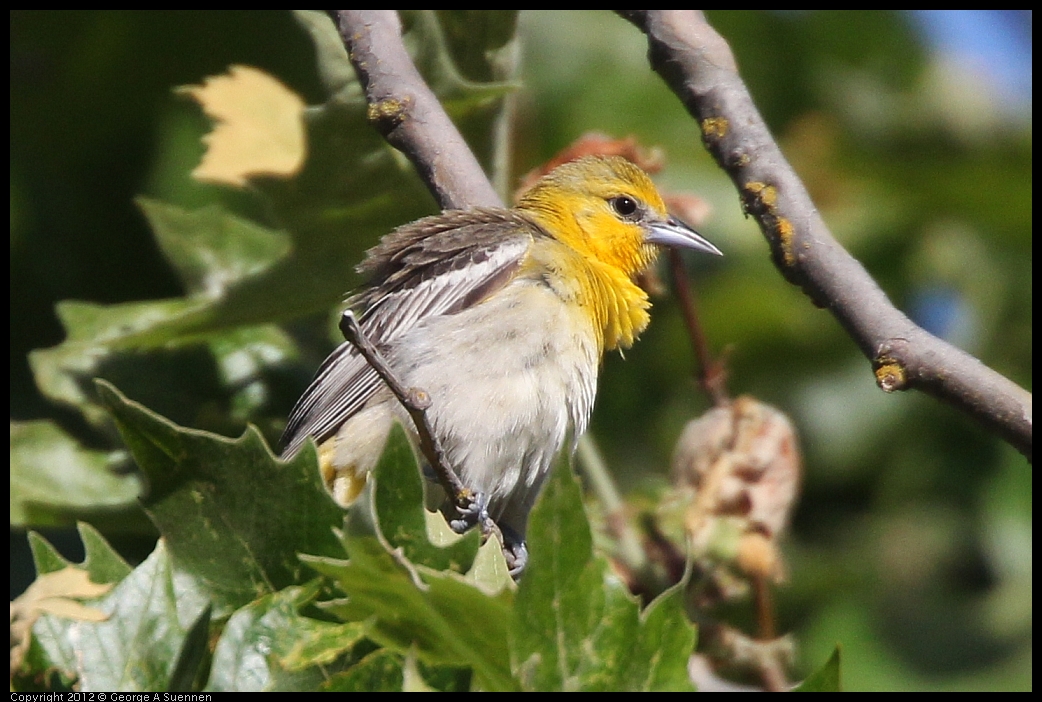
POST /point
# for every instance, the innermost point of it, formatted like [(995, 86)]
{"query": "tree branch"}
[(698, 65), (407, 113)]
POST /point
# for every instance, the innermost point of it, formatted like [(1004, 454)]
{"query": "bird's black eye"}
[(624, 206)]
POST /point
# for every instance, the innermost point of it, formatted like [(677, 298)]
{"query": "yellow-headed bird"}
[(502, 316)]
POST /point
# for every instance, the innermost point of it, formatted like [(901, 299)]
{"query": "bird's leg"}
[(470, 506), (514, 551)]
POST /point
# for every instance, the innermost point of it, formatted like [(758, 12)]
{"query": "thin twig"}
[(602, 485), (711, 373), (416, 402), (697, 64), (764, 608)]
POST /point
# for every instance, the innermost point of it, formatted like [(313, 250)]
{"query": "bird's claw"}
[(472, 512), (514, 551), (516, 555)]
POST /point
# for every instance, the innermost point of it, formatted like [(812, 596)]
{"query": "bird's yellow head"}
[(608, 212), (607, 208)]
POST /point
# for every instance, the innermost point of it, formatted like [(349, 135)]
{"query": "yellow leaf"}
[(67, 582), (70, 609), (53, 593), (258, 127)]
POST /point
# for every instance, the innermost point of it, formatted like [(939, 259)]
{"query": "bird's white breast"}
[(510, 379)]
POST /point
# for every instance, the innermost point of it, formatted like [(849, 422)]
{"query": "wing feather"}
[(435, 266)]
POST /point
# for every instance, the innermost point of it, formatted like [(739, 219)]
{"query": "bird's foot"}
[(470, 512), (514, 551), (516, 555)]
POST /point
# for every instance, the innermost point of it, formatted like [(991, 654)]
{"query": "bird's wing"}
[(436, 266)]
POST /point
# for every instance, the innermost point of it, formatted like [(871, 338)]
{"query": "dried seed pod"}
[(742, 461)]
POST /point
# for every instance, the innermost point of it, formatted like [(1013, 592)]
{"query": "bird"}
[(502, 317)]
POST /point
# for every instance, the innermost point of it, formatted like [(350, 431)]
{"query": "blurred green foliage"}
[(912, 543)]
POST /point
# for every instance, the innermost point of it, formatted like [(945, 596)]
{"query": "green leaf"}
[(210, 249), (232, 514), (490, 571), (380, 671), (826, 678), (393, 576), (31, 655), (576, 627), (243, 356), (665, 642), (53, 478), (334, 66), (152, 615), (216, 253), (102, 563), (46, 558), (398, 502), (444, 619), (269, 645), (61, 590), (470, 59)]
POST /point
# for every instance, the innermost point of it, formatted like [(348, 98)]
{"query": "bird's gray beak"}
[(672, 232)]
